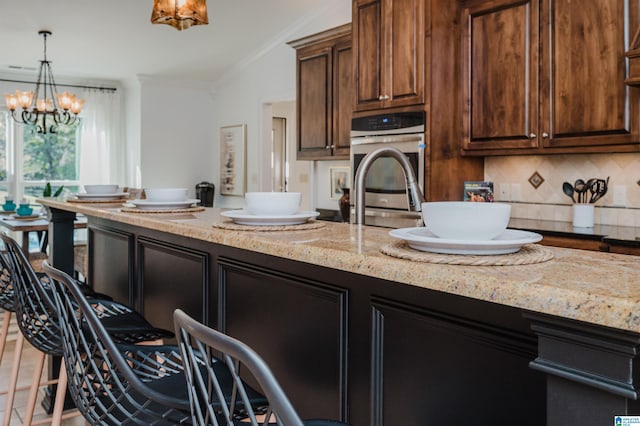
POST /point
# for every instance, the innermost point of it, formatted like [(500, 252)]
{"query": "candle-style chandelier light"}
[(180, 14), (45, 108)]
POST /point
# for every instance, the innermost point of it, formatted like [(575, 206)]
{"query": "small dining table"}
[(28, 225)]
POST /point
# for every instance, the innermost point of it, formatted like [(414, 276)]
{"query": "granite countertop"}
[(595, 287)]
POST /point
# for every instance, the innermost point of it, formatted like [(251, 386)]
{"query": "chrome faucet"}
[(414, 196)]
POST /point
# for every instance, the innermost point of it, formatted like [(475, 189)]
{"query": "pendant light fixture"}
[(180, 14), (45, 108)]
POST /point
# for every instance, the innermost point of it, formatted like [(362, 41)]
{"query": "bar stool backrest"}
[(35, 309), (7, 299), (114, 383), (196, 339)]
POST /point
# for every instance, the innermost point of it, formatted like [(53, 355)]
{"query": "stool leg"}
[(35, 386), (13, 382), (4, 333), (60, 396)]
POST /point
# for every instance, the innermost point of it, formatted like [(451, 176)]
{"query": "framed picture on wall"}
[(233, 159), (339, 177)]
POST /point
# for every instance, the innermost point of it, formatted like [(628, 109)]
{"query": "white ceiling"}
[(114, 39)]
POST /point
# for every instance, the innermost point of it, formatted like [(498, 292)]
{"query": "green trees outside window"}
[(36, 159)]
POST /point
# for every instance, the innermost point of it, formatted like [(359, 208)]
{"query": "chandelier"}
[(180, 14), (45, 109)]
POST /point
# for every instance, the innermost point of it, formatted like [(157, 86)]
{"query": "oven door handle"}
[(419, 138)]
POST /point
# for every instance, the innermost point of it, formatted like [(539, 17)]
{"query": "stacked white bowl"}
[(273, 203), (460, 220), (101, 189), (166, 194)]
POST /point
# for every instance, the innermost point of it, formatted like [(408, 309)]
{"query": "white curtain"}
[(102, 150)]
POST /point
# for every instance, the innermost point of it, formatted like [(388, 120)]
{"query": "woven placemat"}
[(528, 254), (88, 201), (183, 210), (265, 228)]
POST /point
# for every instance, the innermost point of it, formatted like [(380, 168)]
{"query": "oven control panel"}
[(379, 123)]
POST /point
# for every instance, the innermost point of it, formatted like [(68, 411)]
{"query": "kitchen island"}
[(356, 335)]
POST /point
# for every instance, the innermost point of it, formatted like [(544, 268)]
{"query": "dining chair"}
[(37, 320), (208, 403)]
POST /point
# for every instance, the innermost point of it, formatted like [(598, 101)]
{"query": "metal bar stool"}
[(37, 319), (210, 406), (113, 383)]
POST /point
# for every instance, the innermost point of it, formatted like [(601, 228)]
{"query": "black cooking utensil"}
[(598, 189), (568, 190), (581, 188)]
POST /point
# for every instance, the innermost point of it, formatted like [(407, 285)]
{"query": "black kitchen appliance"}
[(205, 192)]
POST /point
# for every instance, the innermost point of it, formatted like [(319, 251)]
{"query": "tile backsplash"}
[(511, 177)]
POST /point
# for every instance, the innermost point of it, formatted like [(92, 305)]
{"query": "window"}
[(29, 160)]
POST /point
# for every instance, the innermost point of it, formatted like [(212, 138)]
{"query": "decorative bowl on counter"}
[(273, 203), (166, 194), (101, 189), (463, 220)]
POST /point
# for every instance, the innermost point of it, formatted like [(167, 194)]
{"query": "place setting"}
[(270, 211), (163, 200), (467, 233), (23, 211), (107, 193)]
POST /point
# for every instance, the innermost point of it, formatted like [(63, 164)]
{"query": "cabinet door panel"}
[(450, 362), (293, 324), (369, 67), (342, 98), (325, 86), (315, 102), (586, 100), (112, 263), (407, 30), (171, 277), (500, 75)]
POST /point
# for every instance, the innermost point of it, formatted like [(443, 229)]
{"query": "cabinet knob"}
[(327, 147), (545, 135), (383, 97), (532, 135)]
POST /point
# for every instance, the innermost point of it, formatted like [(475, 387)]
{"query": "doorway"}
[(279, 169)]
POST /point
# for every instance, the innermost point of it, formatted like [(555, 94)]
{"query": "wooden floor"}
[(26, 371)]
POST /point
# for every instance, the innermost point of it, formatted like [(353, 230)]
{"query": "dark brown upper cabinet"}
[(548, 76), (324, 94), (389, 53)]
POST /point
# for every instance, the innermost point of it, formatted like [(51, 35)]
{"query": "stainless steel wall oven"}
[(385, 197)]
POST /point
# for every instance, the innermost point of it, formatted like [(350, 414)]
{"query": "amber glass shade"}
[(65, 99), (180, 14), (76, 105), (12, 101)]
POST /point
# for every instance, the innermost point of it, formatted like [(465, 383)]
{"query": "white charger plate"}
[(115, 196), (163, 205), (510, 241), (244, 217)]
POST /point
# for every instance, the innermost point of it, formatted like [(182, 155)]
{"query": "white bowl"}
[(166, 194), (464, 220), (273, 203), (101, 189)]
